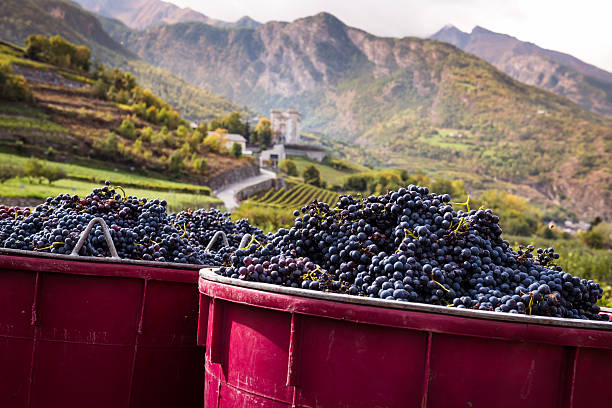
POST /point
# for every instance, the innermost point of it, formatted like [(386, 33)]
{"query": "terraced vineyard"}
[(295, 195)]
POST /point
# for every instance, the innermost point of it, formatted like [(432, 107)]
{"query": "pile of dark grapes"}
[(413, 246), (141, 229)]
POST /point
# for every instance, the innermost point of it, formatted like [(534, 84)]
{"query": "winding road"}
[(227, 193)]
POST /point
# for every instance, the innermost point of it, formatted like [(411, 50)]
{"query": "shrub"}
[(9, 171), (127, 129), (33, 169), (236, 150), (195, 140), (53, 173), (337, 163), (599, 235), (182, 132), (199, 165), (13, 87), (214, 142), (58, 51), (605, 229), (145, 134), (175, 162), (379, 182), (108, 145), (37, 169), (288, 167), (311, 176), (203, 128), (137, 146)]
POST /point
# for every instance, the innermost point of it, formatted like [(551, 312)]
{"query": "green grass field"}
[(12, 122), (328, 174), (97, 176), (24, 188), (441, 141), (81, 180)]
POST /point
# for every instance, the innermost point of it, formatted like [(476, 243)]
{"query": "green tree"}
[(53, 173), (236, 150), (262, 135), (82, 56), (288, 167), (61, 52), (137, 146), (233, 124), (215, 124), (34, 169), (151, 115), (37, 47), (311, 175), (9, 171)]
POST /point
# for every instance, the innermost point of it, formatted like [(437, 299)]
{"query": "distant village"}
[(286, 141)]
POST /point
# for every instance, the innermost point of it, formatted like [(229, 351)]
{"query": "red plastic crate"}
[(89, 332), (271, 346)]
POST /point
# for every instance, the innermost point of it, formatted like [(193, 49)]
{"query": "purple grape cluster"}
[(413, 246)]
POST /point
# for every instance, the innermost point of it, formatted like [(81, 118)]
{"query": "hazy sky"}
[(582, 28)]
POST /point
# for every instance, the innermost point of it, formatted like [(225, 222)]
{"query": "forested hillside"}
[(100, 124), (19, 19), (563, 74)]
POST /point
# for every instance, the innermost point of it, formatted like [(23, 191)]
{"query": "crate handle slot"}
[(85, 234), (215, 238)]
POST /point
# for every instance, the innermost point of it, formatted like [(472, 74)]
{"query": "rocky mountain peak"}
[(451, 34)]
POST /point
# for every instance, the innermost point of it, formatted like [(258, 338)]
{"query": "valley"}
[(398, 99)]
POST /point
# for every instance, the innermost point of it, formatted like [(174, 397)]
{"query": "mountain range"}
[(140, 14), (411, 102), (563, 74)]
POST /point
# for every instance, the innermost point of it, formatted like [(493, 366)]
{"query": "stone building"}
[(271, 157), (230, 138), (286, 126)]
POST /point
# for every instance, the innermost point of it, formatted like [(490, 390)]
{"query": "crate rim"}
[(208, 274)]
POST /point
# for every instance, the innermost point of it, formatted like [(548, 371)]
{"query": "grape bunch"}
[(12, 212), (140, 229), (413, 246)]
